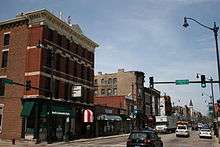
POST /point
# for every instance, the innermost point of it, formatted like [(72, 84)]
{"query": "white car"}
[(182, 130), (206, 133)]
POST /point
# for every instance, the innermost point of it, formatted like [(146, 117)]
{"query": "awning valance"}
[(27, 108), (109, 117), (58, 110)]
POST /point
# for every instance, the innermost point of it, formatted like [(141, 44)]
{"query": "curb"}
[(90, 139)]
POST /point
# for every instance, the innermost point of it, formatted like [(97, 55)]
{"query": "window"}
[(4, 58), (96, 81), (57, 84), (115, 81), (102, 81), (50, 35), (96, 93), (75, 69), (67, 65), (47, 86), (2, 87), (58, 61), (109, 92), (1, 116), (59, 39), (67, 91), (49, 58), (6, 39), (109, 81), (115, 91), (82, 71), (103, 92)]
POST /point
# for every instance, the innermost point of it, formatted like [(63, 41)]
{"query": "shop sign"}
[(76, 91), (108, 111), (60, 113)]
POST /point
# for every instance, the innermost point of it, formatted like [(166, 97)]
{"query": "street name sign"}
[(182, 82), (8, 81)]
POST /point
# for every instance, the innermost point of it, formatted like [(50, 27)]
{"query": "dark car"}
[(144, 138)]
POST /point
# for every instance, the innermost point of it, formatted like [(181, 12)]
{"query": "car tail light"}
[(147, 141), (129, 141)]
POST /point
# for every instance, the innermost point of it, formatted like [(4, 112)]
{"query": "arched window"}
[(102, 81), (115, 81), (109, 92), (109, 81)]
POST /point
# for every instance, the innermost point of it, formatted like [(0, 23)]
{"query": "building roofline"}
[(26, 16)]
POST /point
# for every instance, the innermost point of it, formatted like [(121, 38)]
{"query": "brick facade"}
[(26, 61)]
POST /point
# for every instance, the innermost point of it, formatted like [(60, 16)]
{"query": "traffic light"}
[(28, 85), (151, 81), (203, 82)]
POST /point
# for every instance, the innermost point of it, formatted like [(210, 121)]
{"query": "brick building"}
[(67, 54), (123, 83), (152, 105), (165, 105)]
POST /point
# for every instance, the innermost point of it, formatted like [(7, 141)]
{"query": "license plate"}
[(136, 146)]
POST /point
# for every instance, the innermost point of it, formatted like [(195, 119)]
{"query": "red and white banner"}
[(88, 115)]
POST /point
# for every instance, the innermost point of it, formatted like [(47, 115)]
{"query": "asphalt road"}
[(169, 140)]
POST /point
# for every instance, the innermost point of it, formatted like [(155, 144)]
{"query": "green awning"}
[(27, 108), (58, 110), (125, 117)]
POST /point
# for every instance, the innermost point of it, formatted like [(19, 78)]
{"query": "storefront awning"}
[(27, 108), (88, 116), (58, 110), (125, 117), (109, 117)]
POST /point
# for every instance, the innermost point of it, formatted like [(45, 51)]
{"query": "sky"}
[(147, 36)]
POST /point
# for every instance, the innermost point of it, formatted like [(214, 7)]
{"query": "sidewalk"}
[(23, 143), (215, 142)]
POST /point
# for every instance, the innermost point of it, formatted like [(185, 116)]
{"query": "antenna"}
[(61, 13)]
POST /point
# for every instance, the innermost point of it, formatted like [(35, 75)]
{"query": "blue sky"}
[(144, 35)]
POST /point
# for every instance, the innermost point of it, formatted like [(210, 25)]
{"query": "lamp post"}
[(215, 31), (50, 124)]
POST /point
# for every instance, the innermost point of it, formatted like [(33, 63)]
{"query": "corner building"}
[(63, 61)]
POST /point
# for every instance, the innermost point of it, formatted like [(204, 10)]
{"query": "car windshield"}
[(181, 127), (139, 135)]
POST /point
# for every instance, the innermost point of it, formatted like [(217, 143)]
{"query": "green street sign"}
[(182, 82), (8, 81)]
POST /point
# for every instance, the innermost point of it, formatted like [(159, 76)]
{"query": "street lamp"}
[(215, 31), (52, 53)]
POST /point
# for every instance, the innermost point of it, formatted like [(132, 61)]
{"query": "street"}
[(169, 140)]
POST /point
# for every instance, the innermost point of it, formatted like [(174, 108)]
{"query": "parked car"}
[(182, 130), (144, 138), (206, 133)]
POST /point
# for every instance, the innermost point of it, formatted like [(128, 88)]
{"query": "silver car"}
[(182, 130), (206, 133)]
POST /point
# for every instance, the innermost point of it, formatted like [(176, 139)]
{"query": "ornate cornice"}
[(44, 17)]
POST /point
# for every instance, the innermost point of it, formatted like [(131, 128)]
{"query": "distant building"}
[(165, 105), (129, 84), (126, 83)]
